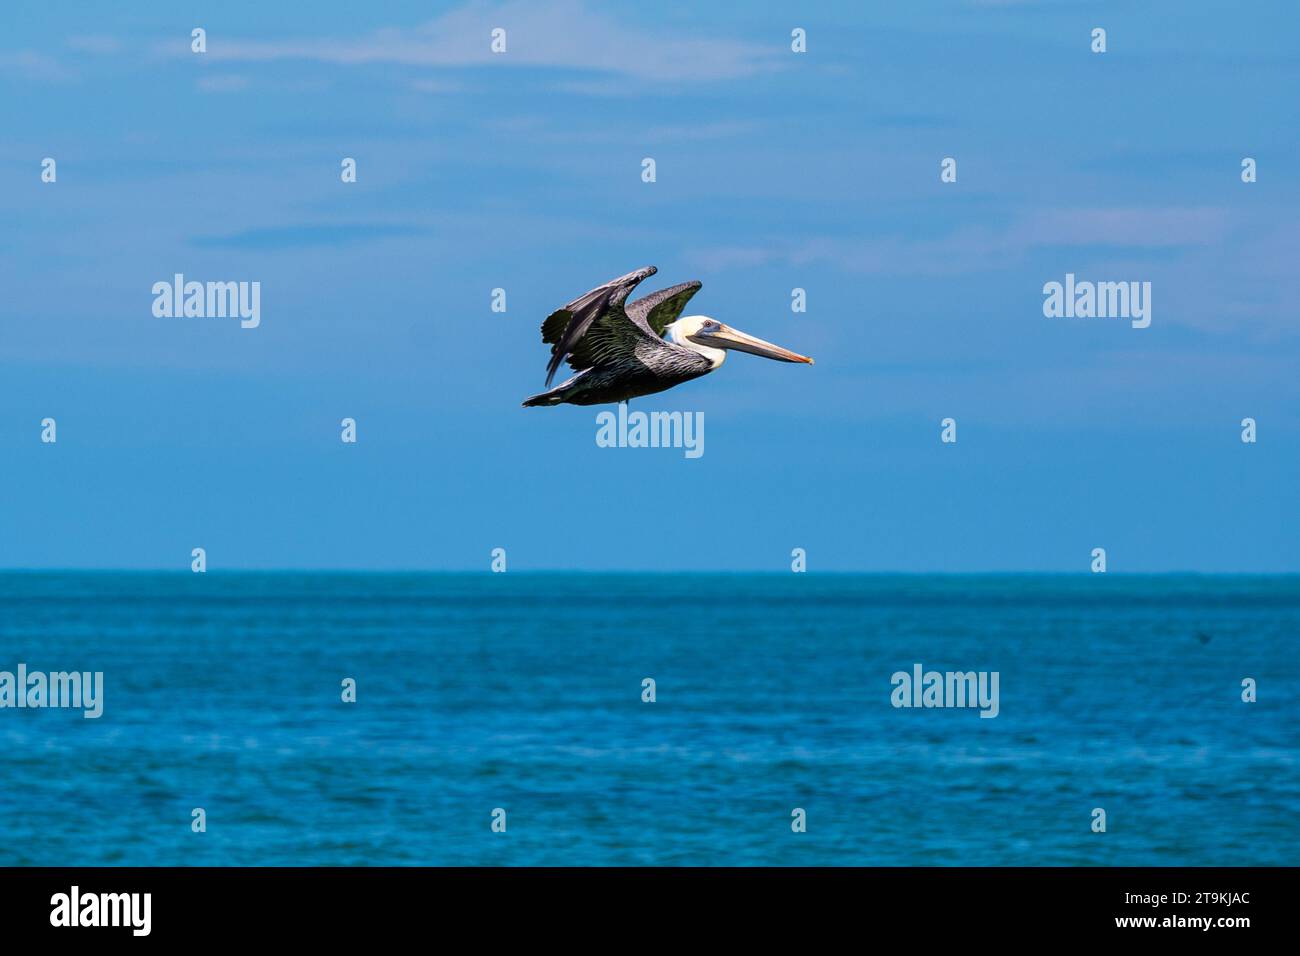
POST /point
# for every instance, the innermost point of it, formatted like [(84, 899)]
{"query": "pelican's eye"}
[(712, 326)]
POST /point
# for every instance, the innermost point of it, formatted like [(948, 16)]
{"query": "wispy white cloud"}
[(223, 83), (1146, 227), (610, 87), (31, 65), (1216, 269), (977, 248), (97, 43), (430, 85), (695, 132), (565, 34)]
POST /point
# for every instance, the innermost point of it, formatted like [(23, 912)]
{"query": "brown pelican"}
[(622, 352)]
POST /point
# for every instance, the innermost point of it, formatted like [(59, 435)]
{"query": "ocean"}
[(524, 693)]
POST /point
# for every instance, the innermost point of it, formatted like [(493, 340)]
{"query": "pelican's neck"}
[(677, 335)]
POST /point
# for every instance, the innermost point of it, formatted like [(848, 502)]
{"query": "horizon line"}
[(642, 571)]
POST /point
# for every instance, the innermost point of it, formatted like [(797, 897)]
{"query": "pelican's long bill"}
[(728, 338)]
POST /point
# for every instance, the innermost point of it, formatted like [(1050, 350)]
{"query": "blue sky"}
[(775, 170)]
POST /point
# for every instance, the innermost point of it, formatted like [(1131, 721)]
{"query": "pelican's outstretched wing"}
[(658, 310), (569, 330)]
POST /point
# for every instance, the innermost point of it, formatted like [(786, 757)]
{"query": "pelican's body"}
[(626, 352), (649, 369)]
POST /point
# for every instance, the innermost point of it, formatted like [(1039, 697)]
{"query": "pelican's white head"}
[(680, 332), (711, 338)]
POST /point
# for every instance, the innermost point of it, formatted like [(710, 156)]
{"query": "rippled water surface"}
[(773, 692)]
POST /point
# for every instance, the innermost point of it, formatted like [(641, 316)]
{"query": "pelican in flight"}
[(622, 352)]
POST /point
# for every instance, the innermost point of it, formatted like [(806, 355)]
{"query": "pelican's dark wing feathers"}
[(592, 325), (658, 310)]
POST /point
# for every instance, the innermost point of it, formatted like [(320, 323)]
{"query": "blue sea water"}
[(523, 691)]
